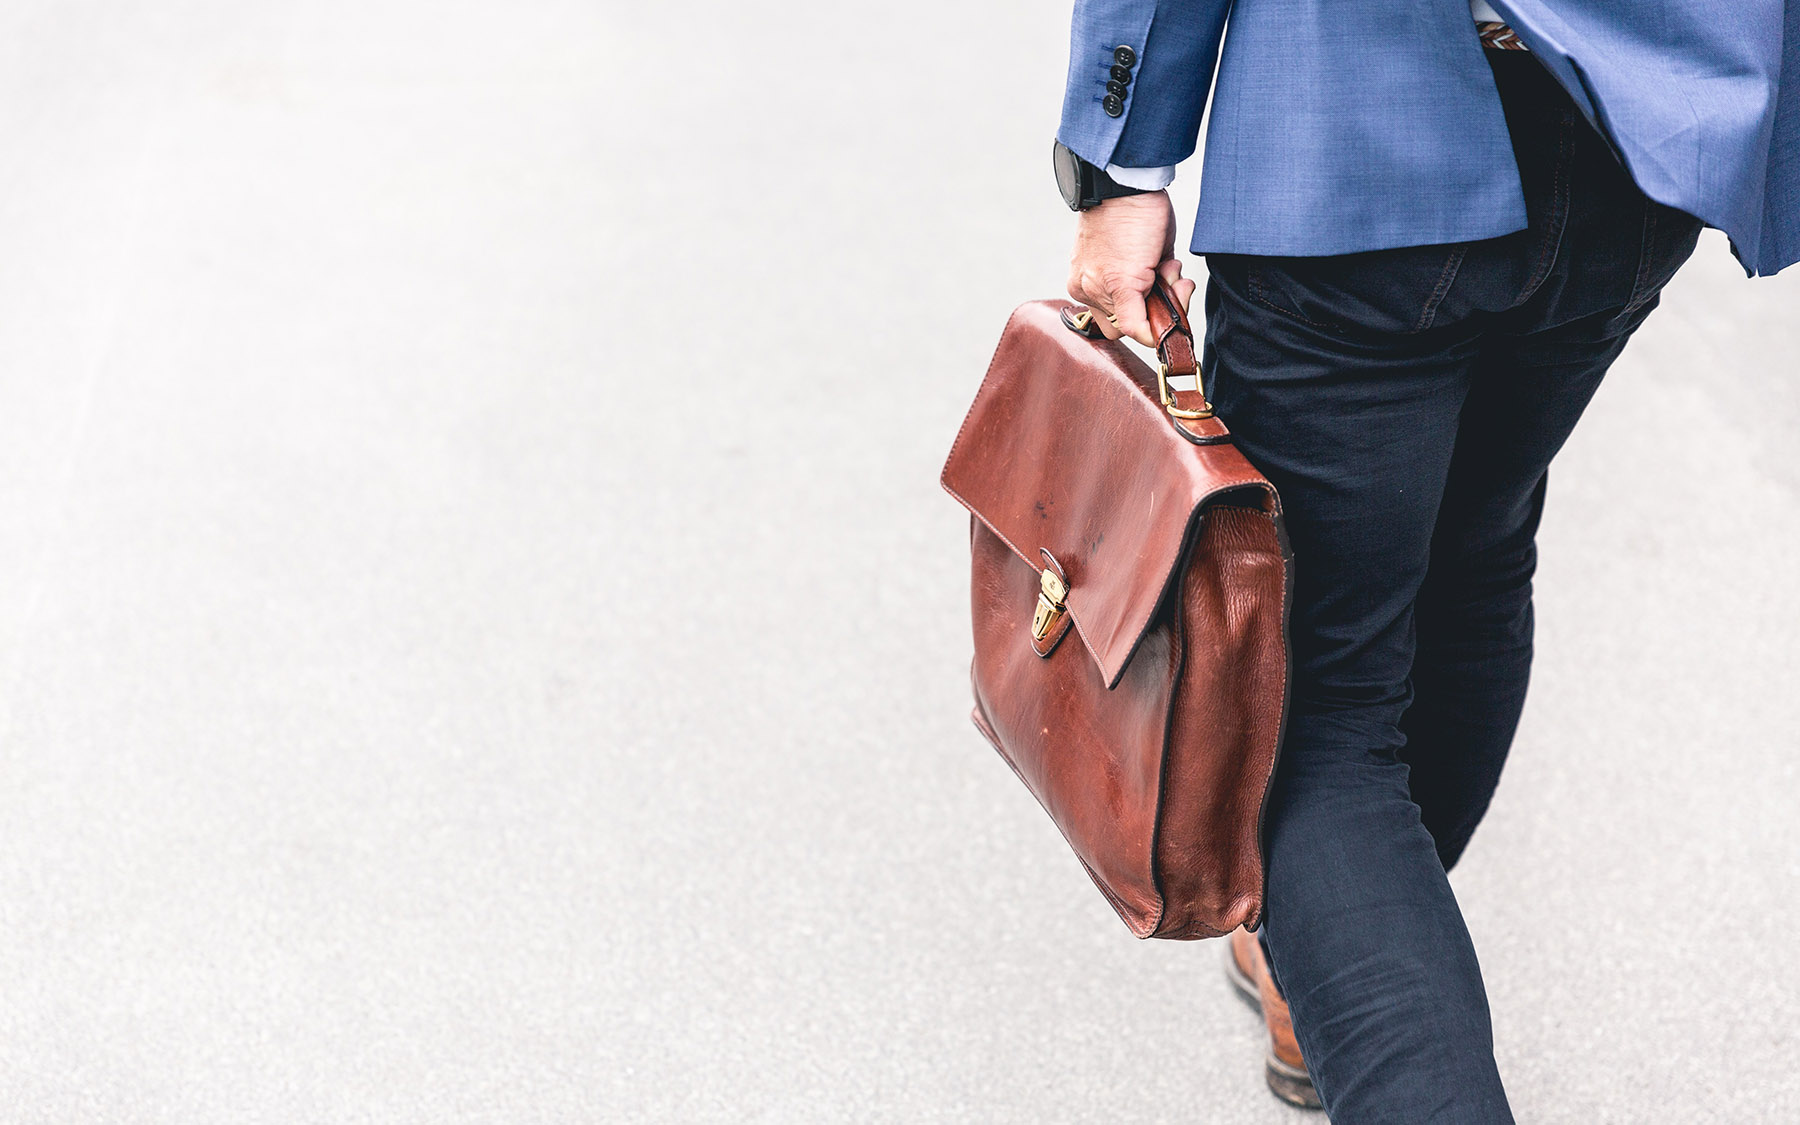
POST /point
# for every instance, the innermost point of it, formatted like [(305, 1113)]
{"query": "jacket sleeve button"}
[(1113, 105), (1124, 56), (1121, 73), (1116, 89)]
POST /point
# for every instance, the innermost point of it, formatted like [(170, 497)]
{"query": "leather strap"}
[(1188, 410), (1169, 324)]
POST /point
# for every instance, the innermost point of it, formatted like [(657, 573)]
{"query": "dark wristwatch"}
[(1085, 185)]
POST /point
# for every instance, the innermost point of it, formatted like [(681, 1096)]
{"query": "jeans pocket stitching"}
[(1447, 278), (1557, 217), (1646, 252), (1253, 283), (1660, 256)]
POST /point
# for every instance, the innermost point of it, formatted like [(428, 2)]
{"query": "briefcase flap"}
[(1067, 449)]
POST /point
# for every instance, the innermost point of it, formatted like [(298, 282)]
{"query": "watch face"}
[(1068, 175)]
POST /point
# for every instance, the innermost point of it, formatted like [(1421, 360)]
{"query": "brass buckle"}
[(1050, 604), (1168, 396)]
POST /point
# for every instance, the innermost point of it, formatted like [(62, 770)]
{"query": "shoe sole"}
[(1295, 1087)]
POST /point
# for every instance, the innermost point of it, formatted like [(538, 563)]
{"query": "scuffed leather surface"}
[(1067, 449), (1092, 757), (1224, 733), (1152, 743)]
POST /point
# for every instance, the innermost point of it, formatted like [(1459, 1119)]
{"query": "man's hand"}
[(1120, 247)]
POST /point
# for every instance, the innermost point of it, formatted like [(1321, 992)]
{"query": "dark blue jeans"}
[(1407, 403)]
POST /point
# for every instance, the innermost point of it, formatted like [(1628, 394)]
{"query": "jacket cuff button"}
[(1113, 105), (1124, 55)]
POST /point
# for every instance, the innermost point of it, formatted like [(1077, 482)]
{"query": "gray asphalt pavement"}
[(481, 639)]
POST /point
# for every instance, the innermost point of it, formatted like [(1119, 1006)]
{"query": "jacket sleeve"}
[(1167, 50)]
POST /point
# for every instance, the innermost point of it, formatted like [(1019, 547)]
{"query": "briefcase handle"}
[(1175, 353)]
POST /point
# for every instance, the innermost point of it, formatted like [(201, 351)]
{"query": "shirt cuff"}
[(1146, 179)]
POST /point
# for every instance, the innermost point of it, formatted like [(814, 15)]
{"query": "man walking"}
[(1429, 229)]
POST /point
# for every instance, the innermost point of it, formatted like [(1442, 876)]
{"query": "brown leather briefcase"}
[(1106, 504)]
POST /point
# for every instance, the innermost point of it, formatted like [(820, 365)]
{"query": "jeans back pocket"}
[(1382, 292)]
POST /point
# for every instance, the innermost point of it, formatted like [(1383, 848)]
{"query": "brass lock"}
[(1051, 606)]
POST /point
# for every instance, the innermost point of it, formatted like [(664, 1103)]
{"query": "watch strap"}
[(1101, 187), (1084, 184)]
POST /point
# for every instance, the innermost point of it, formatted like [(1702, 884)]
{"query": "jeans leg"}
[(1474, 614), (1469, 678), (1368, 944), (1407, 404), (1363, 932), (1413, 481)]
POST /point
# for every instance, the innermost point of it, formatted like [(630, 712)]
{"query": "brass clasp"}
[(1050, 604), (1168, 396)]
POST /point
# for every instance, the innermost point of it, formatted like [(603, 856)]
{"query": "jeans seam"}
[(1646, 252), (1452, 266), (1558, 216)]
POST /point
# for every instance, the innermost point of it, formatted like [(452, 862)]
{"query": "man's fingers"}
[(1119, 309), (1086, 290), (1108, 328), (1131, 318)]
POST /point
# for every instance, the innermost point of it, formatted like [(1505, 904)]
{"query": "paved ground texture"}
[(481, 639)]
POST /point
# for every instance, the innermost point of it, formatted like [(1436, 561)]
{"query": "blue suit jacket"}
[(1346, 125)]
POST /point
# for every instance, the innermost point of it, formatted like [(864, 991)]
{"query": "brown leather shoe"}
[(1248, 972)]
